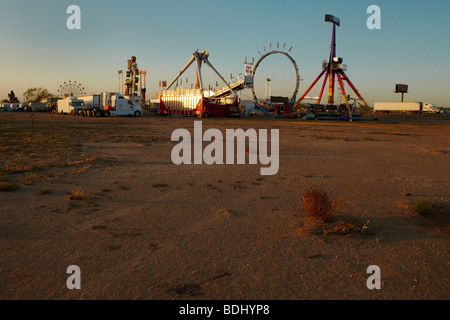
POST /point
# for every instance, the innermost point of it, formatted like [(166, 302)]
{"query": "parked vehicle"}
[(70, 106), (14, 106), (23, 107), (6, 106), (417, 107), (38, 106), (111, 104)]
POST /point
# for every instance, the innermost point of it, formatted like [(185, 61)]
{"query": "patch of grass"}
[(78, 195), (319, 205), (160, 185), (434, 151), (30, 178), (81, 170), (139, 139), (44, 192), (9, 187), (389, 133), (422, 207), (319, 137)]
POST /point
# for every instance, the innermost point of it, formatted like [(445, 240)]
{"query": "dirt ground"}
[(103, 194)]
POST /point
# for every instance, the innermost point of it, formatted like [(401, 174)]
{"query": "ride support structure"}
[(198, 101), (142, 85), (334, 69)]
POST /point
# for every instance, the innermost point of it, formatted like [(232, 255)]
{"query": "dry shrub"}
[(422, 207), (319, 205), (77, 195)]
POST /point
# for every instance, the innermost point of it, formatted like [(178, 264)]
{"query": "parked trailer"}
[(15, 106), (110, 104), (6, 106), (92, 106), (38, 106), (9, 106), (70, 106), (24, 107), (417, 107), (91, 101)]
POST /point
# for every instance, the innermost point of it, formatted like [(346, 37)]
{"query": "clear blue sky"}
[(412, 47)]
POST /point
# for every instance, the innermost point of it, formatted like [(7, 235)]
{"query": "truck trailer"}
[(110, 104), (416, 107), (70, 106)]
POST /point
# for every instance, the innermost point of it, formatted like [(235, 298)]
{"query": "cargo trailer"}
[(70, 106), (416, 107), (111, 104)]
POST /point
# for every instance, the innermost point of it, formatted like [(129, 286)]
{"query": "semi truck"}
[(416, 107), (111, 104)]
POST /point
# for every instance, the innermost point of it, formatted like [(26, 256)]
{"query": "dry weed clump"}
[(422, 207), (78, 195), (319, 205)]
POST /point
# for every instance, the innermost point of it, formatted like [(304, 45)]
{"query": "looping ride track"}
[(297, 72)]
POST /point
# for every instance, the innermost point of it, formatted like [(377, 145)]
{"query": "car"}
[(3, 109)]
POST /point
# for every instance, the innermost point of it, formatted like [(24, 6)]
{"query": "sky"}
[(412, 46)]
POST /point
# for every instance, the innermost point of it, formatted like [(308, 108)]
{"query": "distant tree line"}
[(31, 95), (35, 95)]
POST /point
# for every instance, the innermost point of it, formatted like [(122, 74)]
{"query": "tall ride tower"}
[(132, 78), (333, 69)]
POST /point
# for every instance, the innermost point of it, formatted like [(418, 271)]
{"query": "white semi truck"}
[(417, 107), (111, 104)]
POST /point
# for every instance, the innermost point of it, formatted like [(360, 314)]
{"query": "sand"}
[(147, 229)]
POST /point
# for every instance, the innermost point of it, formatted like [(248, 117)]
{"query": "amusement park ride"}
[(334, 69), (201, 102), (135, 82), (224, 102), (134, 86), (262, 105), (198, 101), (70, 89)]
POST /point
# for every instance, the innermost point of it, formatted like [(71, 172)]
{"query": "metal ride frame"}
[(297, 86), (196, 102), (199, 57), (332, 70)]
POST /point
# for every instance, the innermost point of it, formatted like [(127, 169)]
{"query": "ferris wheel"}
[(71, 89)]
